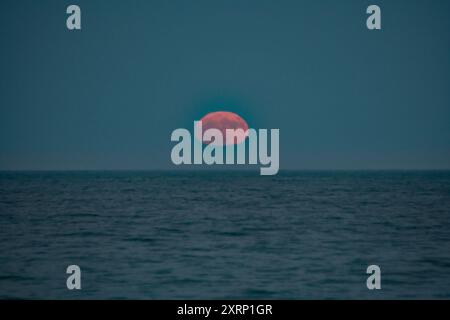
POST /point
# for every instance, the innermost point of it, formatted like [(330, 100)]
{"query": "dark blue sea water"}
[(155, 235)]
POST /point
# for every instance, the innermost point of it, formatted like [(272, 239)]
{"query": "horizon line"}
[(220, 170)]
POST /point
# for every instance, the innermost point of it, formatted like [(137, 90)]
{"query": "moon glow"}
[(223, 120)]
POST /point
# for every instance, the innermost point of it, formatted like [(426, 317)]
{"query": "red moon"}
[(223, 120)]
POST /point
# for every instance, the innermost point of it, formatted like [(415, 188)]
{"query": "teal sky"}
[(109, 96)]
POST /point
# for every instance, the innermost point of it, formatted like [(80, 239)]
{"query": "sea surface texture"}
[(231, 235)]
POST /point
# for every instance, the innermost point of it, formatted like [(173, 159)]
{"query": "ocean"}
[(225, 235)]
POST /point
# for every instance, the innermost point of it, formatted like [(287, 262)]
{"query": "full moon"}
[(223, 120)]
